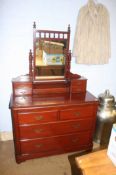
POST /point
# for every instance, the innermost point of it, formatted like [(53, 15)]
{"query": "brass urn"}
[(106, 116)]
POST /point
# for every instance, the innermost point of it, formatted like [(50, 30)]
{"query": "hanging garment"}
[(92, 35)]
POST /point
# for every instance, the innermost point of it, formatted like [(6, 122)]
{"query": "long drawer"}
[(78, 112), (52, 129), (66, 142), (37, 117)]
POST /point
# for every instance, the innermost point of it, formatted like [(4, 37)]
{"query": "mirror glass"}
[(50, 57)]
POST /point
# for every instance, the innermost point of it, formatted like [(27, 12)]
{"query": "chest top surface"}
[(53, 100)]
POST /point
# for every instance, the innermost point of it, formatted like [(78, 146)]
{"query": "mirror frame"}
[(50, 35)]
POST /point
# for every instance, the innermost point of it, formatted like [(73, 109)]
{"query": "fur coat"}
[(92, 35)]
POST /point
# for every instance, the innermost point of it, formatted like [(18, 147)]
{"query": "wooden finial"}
[(69, 28), (30, 52), (30, 62), (34, 25)]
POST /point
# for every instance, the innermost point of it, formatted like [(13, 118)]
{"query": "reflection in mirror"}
[(50, 57)]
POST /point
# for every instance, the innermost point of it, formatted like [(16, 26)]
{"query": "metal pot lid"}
[(106, 98)]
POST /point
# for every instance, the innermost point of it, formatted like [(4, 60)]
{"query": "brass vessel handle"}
[(40, 117)]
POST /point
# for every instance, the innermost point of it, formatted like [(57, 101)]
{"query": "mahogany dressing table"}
[(52, 112)]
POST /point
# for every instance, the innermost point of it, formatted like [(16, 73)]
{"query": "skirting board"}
[(4, 136)]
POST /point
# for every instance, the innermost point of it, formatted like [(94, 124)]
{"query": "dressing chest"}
[(52, 112)]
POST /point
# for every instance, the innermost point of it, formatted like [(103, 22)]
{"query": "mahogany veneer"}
[(51, 115), (50, 124)]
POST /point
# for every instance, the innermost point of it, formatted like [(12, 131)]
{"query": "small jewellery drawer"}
[(24, 88), (52, 129), (37, 117), (75, 113), (78, 86)]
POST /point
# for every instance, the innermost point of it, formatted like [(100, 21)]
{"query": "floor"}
[(52, 165), (63, 164)]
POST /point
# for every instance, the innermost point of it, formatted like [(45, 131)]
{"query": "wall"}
[(16, 19)]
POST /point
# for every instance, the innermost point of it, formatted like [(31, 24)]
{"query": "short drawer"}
[(37, 117), (39, 145), (76, 113), (35, 131), (74, 141), (73, 126), (53, 129)]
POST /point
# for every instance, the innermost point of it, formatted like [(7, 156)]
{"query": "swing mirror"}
[(50, 53)]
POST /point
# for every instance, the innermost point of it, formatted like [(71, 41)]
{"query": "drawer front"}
[(37, 117), (71, 142), (78, 86), (52, 129), (22, 89), (73, 126), (34, 146), (76, 113), (78, 82), (68, 142), (30, 132)]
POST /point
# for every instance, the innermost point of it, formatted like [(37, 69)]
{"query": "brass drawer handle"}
[(79, 89), (76, 125), (39, 130), (77, 113), (39, 145), (40, 117), (75, 140)]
